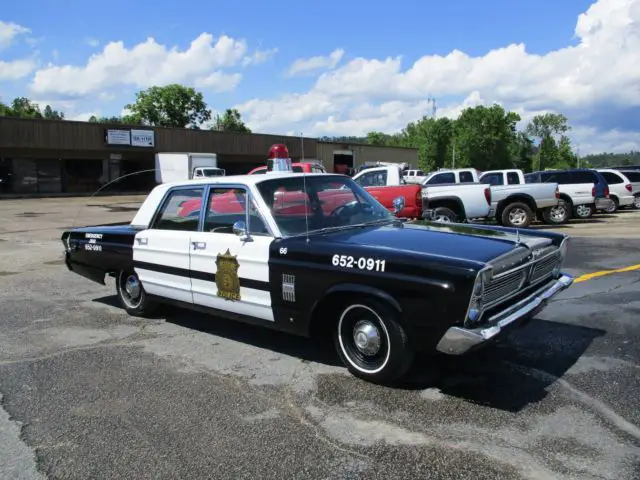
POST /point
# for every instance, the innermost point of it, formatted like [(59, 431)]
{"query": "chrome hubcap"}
[(582, 210), (366, 337), (132, 287), (517, 216), (557, 213), (443, 219)]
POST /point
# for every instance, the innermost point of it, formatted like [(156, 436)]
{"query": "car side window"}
[(561, 178), (442, 178), (226, 206), (531, 178), (180, 210), (492, 179), (373, 179), (611, 178), (513, 178), (262, 170), (466, 177), (583, 177)]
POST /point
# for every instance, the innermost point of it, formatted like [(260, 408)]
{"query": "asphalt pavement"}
[(89, 392)]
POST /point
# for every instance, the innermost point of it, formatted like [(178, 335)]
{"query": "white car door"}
[(161, 252), (228, 271)]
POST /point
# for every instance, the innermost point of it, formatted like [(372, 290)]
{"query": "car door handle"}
[(142, 240), (199, 245)]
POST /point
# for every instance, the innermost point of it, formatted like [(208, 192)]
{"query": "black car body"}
[(374, 283)]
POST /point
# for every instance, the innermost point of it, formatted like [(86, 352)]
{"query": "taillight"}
[(557, 192), (487, 195), (606, 191), (419, 196), (629, 187), (593, 191)]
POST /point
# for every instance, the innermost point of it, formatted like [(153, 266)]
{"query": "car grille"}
[(506, 285)]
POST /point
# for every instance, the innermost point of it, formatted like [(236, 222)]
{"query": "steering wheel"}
[(354, 206)]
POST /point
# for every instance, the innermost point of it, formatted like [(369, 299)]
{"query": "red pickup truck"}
[(412, 193)]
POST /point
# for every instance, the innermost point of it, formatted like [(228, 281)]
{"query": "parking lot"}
[(89, 392)]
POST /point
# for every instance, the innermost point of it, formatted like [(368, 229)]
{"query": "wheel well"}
[(516, 198), (566, 198), (614, 197), (325, 313), (452, 204)]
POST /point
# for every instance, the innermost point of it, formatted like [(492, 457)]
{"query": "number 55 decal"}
[(361, 263)]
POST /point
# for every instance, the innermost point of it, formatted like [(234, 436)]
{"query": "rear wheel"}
[(131, 294), (371, 342), (557, 215), (517, 215), (444, 215)]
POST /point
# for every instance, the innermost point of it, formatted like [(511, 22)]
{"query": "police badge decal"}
[(227, 276)]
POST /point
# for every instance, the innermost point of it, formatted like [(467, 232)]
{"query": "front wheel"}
[(584, 211), (131, 294), (636, 201), (556, 215), (444, 215), (371, 342)]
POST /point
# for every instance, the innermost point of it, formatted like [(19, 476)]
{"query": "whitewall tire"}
[(371, 342)]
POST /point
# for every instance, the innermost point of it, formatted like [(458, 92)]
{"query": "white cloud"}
[(219, 81), (599, 73), (260, 56), (146, 64), (307, 65), (16, 69), (92, 42), (9, 31)]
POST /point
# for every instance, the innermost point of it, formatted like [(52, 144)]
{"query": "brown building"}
[(50, 157)]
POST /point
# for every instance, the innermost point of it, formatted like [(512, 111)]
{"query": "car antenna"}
[(304, 188), (280, 161)]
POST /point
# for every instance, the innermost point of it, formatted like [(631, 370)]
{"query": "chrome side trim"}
[(457, 340)]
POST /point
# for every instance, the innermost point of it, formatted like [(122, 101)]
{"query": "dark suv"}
[(583, 190)]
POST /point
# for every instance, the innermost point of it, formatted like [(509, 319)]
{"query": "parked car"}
[(620, 189), (382, 288), (440, 202), (634, 178), (515, 203), (582, 190)]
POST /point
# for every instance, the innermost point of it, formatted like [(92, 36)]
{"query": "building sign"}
[(118, 137), (142, 138)]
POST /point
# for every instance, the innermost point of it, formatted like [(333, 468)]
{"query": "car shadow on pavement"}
[(512, 373)]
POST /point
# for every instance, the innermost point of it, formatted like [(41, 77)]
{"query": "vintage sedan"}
[(316, 253)]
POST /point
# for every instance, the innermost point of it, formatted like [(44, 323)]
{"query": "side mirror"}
[(398, 205), (240, 229)]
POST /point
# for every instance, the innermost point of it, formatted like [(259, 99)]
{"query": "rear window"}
[(442, 178), (466, 177), (611, 178), (632, 176), (492, 179)]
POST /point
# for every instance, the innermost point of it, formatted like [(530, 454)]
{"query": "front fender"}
[(364, 289)]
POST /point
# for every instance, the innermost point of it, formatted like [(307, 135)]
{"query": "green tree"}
[(22, 107), (522, 152), (51, 114), (548, 127), (484, 137), (230, 121), (170, 106)]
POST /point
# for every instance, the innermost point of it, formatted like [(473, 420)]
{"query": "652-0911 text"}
[(362, 263)]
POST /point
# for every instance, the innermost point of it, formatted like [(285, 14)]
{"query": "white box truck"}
[(176, 167)]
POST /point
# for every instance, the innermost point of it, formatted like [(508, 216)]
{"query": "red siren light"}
[(278, 159), (278, 150)]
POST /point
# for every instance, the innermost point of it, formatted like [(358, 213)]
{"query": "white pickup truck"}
[(442, 202), (515, 203)]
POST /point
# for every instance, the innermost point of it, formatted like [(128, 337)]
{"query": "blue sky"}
[(321, 102)]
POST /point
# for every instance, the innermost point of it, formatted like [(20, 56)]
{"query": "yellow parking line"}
[(589, 276)]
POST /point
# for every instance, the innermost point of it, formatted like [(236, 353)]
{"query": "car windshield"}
[(323, 202)]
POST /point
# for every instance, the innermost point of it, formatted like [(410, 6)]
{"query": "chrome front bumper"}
[(458, 340)]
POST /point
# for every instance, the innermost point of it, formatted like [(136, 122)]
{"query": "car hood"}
[(456, 241)]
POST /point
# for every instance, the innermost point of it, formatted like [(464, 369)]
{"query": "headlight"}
[(474, 311)]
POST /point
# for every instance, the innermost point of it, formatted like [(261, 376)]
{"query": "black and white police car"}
[(313, 253)]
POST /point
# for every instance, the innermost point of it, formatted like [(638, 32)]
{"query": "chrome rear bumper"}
[(458, 340)]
